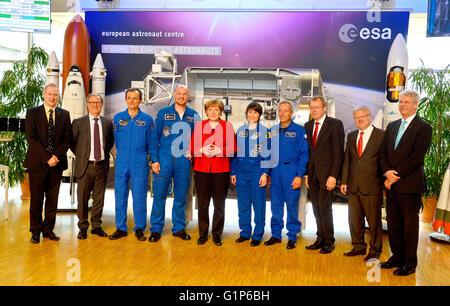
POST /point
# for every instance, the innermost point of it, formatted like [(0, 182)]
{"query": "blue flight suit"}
[(169, 142), (250, 162), (290, 155), (132, 139)]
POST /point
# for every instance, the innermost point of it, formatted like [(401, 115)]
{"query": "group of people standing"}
[(252, 158)]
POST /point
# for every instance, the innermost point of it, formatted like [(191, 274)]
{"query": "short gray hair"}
[(362, 108), (288, 103), (94, 95), (411, 93), (51, 85)]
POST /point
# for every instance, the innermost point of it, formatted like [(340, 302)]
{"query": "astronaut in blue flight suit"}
[(169, 145), (249, 172), (132, 129), (289, 150)]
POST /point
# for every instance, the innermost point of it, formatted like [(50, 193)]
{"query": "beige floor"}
[(171, 261)]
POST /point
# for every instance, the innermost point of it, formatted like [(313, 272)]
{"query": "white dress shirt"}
[(366, 136), (321, 120)]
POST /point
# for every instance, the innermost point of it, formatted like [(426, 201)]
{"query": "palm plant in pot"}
[(21, 88), (434, 107)]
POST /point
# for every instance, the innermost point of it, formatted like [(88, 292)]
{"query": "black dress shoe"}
[(255, 243), (291, 244), (99, 232), (315, 246), (154, 237), (140, 235), (241, 239), (217, 241), (272, 241), (355, 252), (51, 236), (35, 237), (327, 249), (390, 264), (182, 234), (202, 240), (371, 256), (405, 270), (82, 234), (118, 234)]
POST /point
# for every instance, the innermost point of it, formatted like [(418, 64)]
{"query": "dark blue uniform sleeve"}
[(149, 135), (234, 160), (303, 153), (265, 154), (115, 129), (156, 136)]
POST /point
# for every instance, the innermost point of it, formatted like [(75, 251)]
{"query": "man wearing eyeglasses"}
[(361, 180), (92, 140)]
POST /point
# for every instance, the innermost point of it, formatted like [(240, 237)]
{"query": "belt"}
[(96, 163)]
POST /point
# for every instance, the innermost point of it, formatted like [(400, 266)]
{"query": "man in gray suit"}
[(92, 140), (361, 179)]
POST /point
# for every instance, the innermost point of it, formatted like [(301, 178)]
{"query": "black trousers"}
[(321, 200), (93, 180), (215, 186), (402, 211), (46, 184)]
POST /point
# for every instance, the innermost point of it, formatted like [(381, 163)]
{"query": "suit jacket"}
[(326, 158), (81, 142), (408, 158), (36, 128), (363, 173)]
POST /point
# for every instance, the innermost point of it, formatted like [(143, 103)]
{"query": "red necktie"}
[(360, 144), (315, 134)]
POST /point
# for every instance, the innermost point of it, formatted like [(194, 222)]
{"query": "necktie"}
[(315, 134), (51, 133), (360, 144), (97, 151), (400, 133)]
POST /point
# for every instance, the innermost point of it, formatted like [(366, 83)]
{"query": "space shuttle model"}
[(75, 76)]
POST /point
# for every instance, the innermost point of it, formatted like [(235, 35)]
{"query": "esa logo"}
[(348, 33)]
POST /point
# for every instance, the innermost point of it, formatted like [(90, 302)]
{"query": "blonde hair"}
[(215, 102)]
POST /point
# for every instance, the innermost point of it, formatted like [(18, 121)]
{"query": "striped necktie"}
[(51, 133)]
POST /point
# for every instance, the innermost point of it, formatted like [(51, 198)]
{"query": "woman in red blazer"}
[(212, 144)]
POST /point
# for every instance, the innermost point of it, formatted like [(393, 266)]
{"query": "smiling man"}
[(361, 180), (91, 142), (132, 129), (48, 132), (171, 160), (405, 144)]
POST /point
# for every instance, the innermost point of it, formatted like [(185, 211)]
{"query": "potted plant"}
[(21, 88), (434, 108)]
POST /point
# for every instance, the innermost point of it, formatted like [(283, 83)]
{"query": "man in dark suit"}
[(92, 140), (48, 132), (326, 152), (405, 144), (361, 179)]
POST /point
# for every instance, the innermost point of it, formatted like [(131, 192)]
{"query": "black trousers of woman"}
[(215, 186)]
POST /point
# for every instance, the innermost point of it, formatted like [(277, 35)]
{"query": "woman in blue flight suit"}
[(250, 174)]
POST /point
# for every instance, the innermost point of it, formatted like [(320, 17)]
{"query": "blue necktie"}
[(400, 133)]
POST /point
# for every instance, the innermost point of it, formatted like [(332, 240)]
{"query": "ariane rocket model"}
[(76, 50), (52, 71), (98, 75), (396, 76)]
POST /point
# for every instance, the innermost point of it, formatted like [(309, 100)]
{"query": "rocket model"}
[(52, 73), (396, 75), (98, 75), (74, 97), (76, 51), (378, 120)]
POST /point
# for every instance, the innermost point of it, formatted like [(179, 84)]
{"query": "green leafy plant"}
[(434, 107), (20, 88)]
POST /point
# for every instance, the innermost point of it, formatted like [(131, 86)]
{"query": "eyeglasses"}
[(360, 117), (95, 103)]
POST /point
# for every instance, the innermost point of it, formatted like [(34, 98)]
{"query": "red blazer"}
[(222, 136)]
